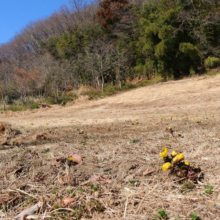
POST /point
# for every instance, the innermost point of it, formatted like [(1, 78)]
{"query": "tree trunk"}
[(102, 83), (118, 78), (102, 89)]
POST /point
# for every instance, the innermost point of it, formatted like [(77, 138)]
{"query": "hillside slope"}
[(190, 96), (119, 138)]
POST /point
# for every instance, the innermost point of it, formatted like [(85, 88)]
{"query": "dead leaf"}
[(75, 158), (147, 172), (67, 201)]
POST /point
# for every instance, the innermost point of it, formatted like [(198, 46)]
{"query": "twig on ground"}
[(126, 205)]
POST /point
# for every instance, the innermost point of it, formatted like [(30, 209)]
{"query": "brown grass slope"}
[(118, 137)]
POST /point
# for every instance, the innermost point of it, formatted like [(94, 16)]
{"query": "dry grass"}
[(117, 147)]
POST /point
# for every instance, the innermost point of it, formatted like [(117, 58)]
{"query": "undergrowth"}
[(31, 106), (110, 89), (93, 94)]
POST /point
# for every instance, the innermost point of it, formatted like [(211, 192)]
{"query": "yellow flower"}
[(70, 159), (187, 163), (178, 158), (174, 153), (81, 132), (167, 166), (164, 153)]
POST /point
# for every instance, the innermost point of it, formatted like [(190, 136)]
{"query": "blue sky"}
[(16, 14)]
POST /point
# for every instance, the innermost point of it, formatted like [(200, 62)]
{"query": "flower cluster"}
[(178, 166), (176, 158)]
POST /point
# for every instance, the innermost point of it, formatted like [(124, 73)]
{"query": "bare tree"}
[(57, 77), (103, 56), (121, 65)]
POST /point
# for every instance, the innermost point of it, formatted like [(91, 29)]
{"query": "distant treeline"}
[(109, 42)]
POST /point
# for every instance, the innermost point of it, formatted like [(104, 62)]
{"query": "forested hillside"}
[(107, 43)]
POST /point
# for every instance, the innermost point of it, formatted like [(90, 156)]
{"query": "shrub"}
[(212, 62), (50, 100), (144, 83), (128, 87), (34, 105), (16, 108), (70, 97), (192, 72), (111, 90), (93, 94), (66, 98)]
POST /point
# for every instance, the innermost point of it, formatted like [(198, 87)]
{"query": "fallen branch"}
[(23, 192), (146, 172), (29, 211), (37, 217)]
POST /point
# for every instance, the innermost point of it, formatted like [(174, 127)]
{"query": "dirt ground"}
[(119, 138)]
